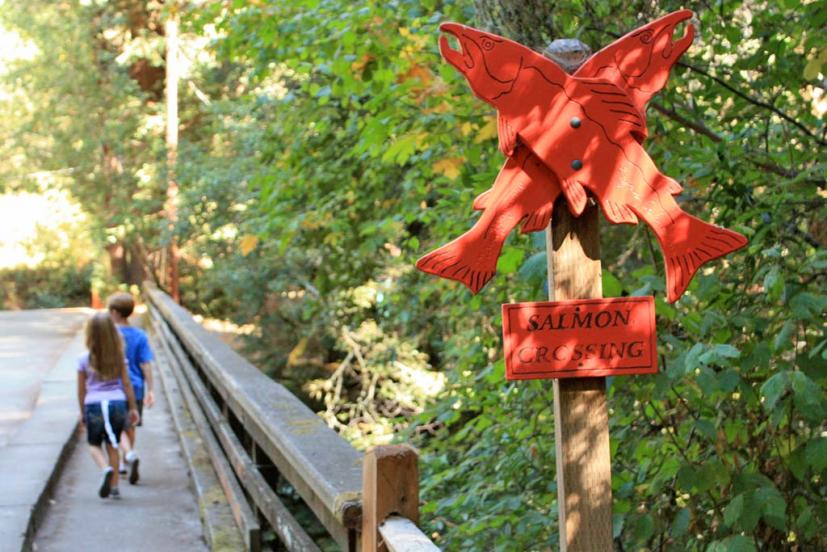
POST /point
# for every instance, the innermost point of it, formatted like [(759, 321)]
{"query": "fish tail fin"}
[(463, 261), (687, 244)]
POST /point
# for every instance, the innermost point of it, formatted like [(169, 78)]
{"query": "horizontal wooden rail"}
[(197, 396), (244, 516), (323, 468), (402, 535), (262, 431)]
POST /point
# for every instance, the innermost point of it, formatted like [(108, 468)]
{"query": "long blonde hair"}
[(105, 346)]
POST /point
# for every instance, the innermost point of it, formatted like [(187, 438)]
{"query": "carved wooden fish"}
[(524, 190), (587, 130)]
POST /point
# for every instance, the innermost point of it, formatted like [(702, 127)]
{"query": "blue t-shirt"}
[(137, 351)]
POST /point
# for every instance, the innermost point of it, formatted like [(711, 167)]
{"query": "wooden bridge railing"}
[(259, 435)]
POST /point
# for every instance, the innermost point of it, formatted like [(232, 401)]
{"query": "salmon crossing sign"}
[(588, 337), (573, 134)]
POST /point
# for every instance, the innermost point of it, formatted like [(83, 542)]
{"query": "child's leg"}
[(130, 434), (130, 455), (116, 419), (128, 439), (125, 448), (98, 456), (93, 418), (113, 463), (95, 431)]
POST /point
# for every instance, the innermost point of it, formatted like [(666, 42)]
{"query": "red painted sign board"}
[(580, 338)]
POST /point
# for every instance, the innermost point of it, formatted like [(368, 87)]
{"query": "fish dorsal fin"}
[(507, 135), (482, 201), (613, 108), (538, 219)]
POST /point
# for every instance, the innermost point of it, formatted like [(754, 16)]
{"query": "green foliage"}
[(325, 146), (46, 252), (381, 380), (369, 153), (82, 110), (45, 287)]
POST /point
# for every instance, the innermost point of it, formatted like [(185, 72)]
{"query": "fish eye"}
[(487, 44), (646, 37)]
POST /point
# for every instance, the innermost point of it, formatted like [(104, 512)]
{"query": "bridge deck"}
[(159, 513), (31, 343), (38, 411)]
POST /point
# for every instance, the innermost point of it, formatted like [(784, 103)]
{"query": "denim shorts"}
[(106, 426)]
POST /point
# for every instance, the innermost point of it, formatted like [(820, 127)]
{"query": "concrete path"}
[(158, 514), (31, 342), (40, 454), (38, 413)]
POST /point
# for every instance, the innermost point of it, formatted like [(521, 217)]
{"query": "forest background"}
[(325, 146)]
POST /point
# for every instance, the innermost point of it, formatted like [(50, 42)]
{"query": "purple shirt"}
[(98, 390)]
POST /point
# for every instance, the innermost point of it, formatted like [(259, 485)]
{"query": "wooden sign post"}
[(581, 415), (581, 418)]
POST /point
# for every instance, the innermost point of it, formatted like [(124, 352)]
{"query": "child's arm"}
[(81, 392), (149, 394), (134, 417), (145, 358)]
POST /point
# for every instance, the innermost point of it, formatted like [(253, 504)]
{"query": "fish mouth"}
[(461, 59), (681, 44), (660, 33)]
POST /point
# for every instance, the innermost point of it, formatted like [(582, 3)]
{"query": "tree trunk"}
[(529, 22)]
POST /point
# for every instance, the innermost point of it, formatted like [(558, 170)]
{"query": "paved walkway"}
[(38, 411), (31, 343), (160, 513)]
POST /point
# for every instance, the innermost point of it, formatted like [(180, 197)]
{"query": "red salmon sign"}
[(581, 338), (570, 135)]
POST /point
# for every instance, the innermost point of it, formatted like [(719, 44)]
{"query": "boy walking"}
[(139, 358)]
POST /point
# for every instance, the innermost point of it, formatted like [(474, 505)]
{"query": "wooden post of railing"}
[(390, 485)]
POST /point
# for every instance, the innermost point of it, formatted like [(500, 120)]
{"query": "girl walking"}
[(104, 391)]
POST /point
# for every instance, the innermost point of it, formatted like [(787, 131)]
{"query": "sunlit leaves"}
[(247, 244), (510, 260), (814, 65), (449, 167), (488, 131)]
